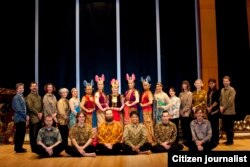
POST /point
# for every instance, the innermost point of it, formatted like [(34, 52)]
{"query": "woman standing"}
[(50, 102), (147, 110), (74, 104), (161, 102), (131, 98), (101, 102), (63, 115), (213, 105), (186, 97)]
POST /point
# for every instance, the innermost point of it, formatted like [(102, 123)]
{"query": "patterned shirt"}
[(227, 100), (49, 104), (63, 111), (200, 99), (81, 134), (34, 105), (174, 110), (49, 136), (186, 103), (201, 130), (135, 134), (110, 132), (165, 132)]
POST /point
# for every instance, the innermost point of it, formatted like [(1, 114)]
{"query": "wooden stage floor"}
[(8, 158)]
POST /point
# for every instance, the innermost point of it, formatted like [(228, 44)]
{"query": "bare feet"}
[(89, 154), (145, 152)]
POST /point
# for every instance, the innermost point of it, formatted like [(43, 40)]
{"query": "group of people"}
[(115, 124)]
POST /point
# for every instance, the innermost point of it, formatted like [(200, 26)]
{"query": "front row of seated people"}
[(113, 140)]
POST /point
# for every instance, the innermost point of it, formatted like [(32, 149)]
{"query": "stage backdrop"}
[(57, 55)]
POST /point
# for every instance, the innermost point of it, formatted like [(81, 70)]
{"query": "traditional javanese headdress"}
[(100, 79), (147, 79), (91, 83), (132, 78), (114, 83)]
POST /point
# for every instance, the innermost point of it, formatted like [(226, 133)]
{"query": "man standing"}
[(227, 109), (20, 118), (34, 106)]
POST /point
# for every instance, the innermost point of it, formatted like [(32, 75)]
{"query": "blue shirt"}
[(19, 106)]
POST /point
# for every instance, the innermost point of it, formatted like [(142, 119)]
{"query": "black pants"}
[(42, 152), (208, 146), (64, 131), (71, 150), (228, 126), (176, 122), (127, 150), (33, 131), (185, 127), (159, 148), (214, 120), (19, 135), (101, 149)]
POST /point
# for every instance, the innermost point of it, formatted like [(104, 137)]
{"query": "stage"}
[(9, 158)]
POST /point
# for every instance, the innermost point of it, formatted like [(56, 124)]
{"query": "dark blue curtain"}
[(57, 43), (178, 43), (97, 42), (17, 43), (233, 49), (138, 41)]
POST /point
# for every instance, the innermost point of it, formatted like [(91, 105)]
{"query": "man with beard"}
[(109, 136), (227, 109), (34, 106)]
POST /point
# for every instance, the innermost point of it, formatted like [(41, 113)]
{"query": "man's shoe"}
[(21, 151), (228, 143)]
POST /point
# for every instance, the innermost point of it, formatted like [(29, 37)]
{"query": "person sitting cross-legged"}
[(109, 136), (49, 140), (165, 135), (81, 137), (201, 132), (135, 137)]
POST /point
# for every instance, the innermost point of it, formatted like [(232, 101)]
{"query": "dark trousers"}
[(185, 127), (176, 122), (208, 146), (101, 149), (127, 150), (228, 126), (19, 135), (214, 120), (42, 152), (71, 150), (33, 131), (159, 148), (64, 131)]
